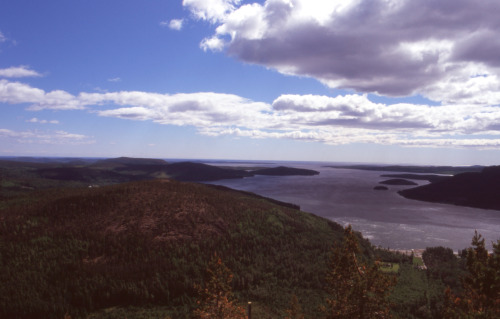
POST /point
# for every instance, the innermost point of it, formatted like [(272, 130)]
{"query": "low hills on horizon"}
[(413, 169), (20, 175), (473, 186)]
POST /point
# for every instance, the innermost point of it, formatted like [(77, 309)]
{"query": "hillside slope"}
[(148, 243)]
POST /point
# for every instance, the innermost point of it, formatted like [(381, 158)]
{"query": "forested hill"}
[(474, 189), (22, 175), (124, 161), (147, 244)]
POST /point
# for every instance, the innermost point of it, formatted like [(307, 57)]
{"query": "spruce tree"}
[(216, 298), (481, 285), (356, 289), (294, 310)]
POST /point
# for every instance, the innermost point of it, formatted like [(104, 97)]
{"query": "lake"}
[(346, 196)]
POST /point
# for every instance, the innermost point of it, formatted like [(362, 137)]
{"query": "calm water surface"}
[(387, 219)]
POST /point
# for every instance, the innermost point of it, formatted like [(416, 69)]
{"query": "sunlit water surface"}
[(387, 219)]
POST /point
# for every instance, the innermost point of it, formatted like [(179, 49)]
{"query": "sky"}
[(372, 81)]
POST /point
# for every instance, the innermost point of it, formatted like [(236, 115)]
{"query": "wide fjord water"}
[(387, 219)]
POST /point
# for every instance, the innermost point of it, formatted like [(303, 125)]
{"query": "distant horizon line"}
[(240, 161)]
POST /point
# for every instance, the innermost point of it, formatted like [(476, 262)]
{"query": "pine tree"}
[(217, 300), (295, 310), (481, 296), (356, 290)]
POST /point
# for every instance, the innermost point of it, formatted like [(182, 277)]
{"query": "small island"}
[(398, 181), (381, 188), (420, 177)]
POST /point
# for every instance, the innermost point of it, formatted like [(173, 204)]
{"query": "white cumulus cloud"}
[(175, 24), (18, 72), (388, 47), (20, 93), (351, 118), (211, 10), (331, 120)]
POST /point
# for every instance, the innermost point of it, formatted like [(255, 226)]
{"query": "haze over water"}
[(386, 218)]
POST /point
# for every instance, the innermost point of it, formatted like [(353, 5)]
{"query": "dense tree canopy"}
[(481, 285), (356, 289), (216, 298)]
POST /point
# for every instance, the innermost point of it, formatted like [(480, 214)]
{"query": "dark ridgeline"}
[(473, 189), (285, 171), (32, 173), (445, 170), (198, 172)]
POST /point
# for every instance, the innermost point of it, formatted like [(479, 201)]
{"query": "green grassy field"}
[(417, 261), (389, 267)]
